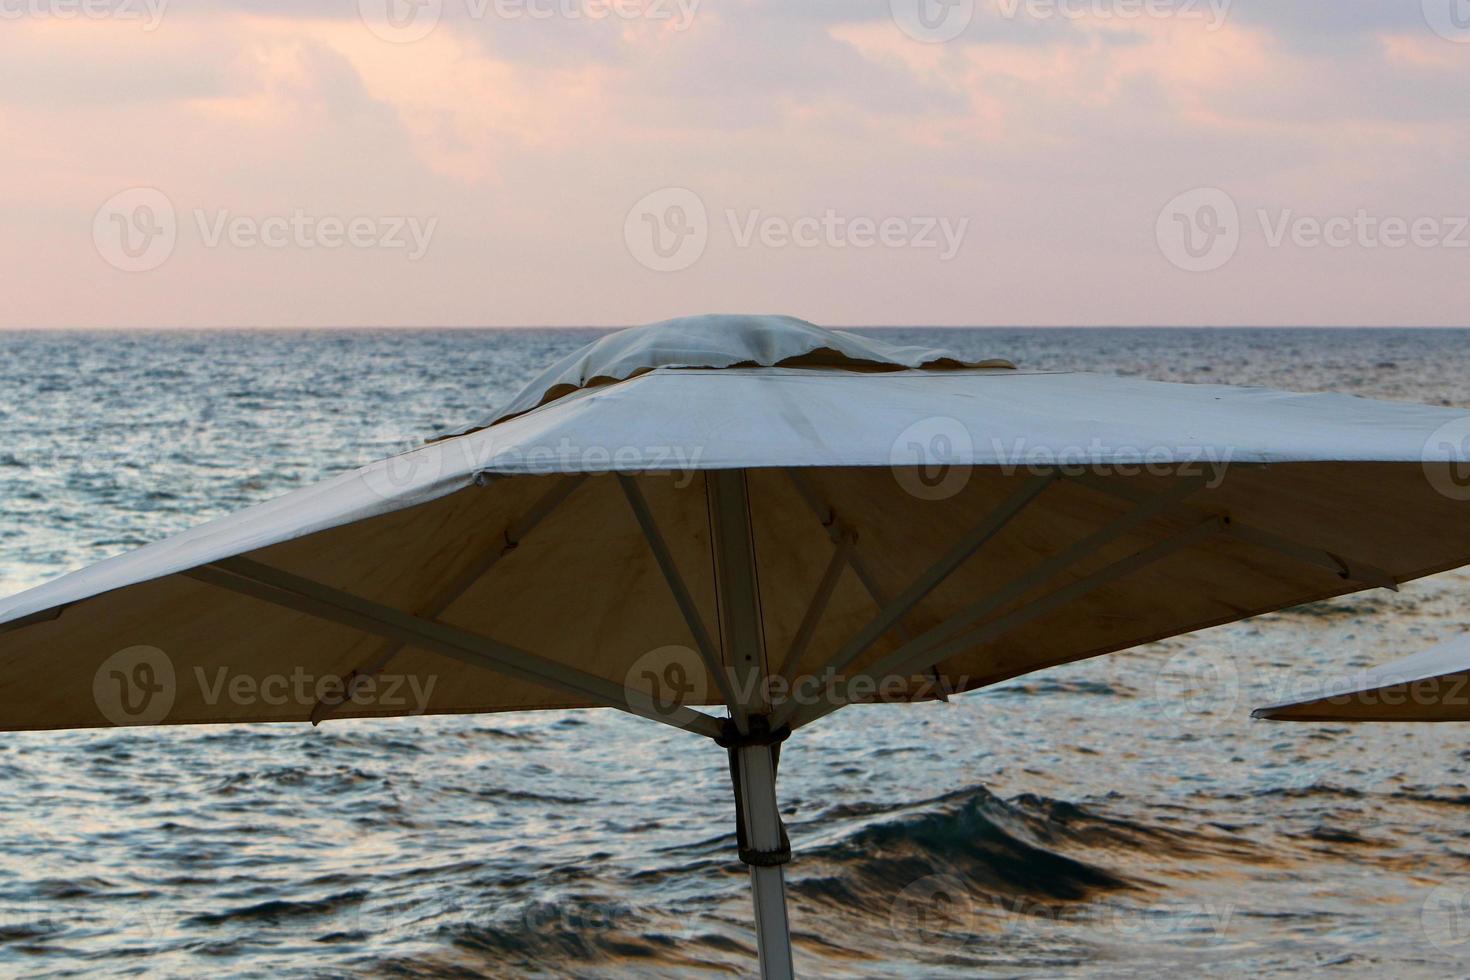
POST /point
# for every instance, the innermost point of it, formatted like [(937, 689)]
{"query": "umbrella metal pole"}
[(757, 775), (747, 735)]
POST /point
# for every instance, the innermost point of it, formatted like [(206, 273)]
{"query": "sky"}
[(851, 162)]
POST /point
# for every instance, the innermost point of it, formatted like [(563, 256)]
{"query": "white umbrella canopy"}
[(754, 513), (1432, 685)]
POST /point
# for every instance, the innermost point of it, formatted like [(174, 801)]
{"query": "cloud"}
[(1058, 138)]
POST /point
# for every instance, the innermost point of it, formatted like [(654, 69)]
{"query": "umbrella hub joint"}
[(760, 733)]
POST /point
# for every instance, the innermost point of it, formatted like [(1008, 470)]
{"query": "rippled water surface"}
[(1084, 820)]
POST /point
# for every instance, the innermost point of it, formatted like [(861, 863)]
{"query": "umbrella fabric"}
[(1003, 520), (716, 341), (1432, 685)]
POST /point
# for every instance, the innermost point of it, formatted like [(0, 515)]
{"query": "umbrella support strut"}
[(685, 601), (281, 588), (467, 579), (961, 632), (1144, 510), (1340, 565), (836, 530)]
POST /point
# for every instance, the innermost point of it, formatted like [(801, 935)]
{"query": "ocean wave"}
[(997, 847)]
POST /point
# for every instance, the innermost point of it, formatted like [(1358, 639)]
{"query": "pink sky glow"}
[(559, 162)]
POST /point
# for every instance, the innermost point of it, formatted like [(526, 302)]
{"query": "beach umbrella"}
[(1432, 685), (756, 515)]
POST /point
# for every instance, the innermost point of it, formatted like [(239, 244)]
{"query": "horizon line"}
[(121, 328)]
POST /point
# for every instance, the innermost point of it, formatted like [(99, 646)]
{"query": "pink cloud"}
[(528, 143)]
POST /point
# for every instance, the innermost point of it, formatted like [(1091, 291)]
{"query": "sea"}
[(1117, 817)]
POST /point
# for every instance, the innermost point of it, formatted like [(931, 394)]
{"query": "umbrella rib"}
[(1343, 567), (902, 663), (1141, 512), (835, 530), (818, 604), (676, 584), (1347, 568), (931, 578), (446, 597), (314, 598)]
